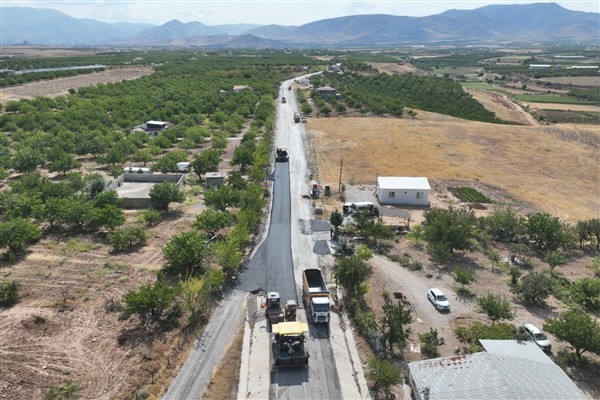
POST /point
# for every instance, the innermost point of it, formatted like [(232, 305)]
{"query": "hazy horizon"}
[(265, 12)]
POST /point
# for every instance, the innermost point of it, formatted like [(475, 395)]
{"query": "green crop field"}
[(549, 98)]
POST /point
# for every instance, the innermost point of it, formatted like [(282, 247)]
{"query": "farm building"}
[(540, 66), (215, 179), (508, 369), (403, 190), (326, 91), (152, 128)]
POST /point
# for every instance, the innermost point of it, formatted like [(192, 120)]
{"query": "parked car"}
[(538, 337), (438, 299)]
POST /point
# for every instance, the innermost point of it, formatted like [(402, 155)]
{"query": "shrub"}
[(9, 293), (471, 334), (127, 238), (148, 217), (534, 288), (430, 343)]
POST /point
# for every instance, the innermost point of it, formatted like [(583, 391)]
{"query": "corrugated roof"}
[(403, 182), (492, 376)]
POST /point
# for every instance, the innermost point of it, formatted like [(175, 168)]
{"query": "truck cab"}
[(296, 117), (319, 310)]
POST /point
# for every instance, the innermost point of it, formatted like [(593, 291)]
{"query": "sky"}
[(262, 12)]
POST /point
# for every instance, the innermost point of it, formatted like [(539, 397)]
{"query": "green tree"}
[(449, 230), (555, 259), (211, 221), (228, 255), (496, 307), (168, 163), (546, 231), (75, 210), (147, 217), (206, 161), (195, 292), (164, 193), (464, 276), (586, 292), (243, 156), (418, 233), (187, 254), (64, 162), (221, 198), (108, 198), (504, 223), (376, 230), (27, 160), (336, 219), (127, 238), (430, 342), (352, 273), (384, 374), (16, 233), (143, 156), (109, 216), (151, 303), (578, 329), (515, 273), (534, 288), (395, 323)]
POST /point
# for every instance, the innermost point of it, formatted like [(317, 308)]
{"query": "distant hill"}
[(539, 22), (532, 23), (51, 27)]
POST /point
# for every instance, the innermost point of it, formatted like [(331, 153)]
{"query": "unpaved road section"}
[(61, 86)]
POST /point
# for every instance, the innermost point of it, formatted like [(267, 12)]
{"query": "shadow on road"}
[(290, 376)]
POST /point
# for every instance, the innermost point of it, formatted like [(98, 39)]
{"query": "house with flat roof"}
[(508, 369), (406, 190), (152, 128)]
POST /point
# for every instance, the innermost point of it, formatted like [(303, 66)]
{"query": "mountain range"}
[(539, 23)]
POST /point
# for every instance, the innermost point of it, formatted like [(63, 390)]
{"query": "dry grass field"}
[(553, 168)]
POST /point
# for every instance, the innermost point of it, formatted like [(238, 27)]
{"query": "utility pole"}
[(340, 182)]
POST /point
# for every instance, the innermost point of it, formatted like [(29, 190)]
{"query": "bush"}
[(9, 293), (147, 217), (471, 334), (127, 238), (430, 343), (534, 288)]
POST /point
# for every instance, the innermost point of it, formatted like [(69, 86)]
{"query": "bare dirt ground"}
[(565, 107), (393, 69), (502, 106), (579, 81), (538, 165), (61, 86), (61, 330), (33, 52)]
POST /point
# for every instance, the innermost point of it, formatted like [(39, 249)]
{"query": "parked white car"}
[(438, 299), (538, 337)]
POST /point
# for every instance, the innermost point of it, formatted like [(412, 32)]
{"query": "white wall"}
[(416, 197)]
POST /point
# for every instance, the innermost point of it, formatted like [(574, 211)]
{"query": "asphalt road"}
[(277, 265)]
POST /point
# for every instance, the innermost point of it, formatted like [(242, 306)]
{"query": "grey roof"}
[(492, 376), (523, 349)]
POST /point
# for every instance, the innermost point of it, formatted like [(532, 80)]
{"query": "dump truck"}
[(315, 295), (281, 154), (296, 117), (288, 344), (283, 99), (314, 190), (273, 311)]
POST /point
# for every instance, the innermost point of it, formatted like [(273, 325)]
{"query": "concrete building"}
[(215, 179), (152, 128), (508, 369), (135, 188), (403, 190), (326, 91)]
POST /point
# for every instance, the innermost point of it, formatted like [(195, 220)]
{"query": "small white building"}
[(403, 190)]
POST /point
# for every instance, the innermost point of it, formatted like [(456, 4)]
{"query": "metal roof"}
[(492, 376), (403, 182)]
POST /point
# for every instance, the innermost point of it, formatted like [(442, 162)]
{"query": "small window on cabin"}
[(419, 195), (391, 194)]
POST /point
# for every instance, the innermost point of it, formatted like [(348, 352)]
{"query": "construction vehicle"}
[(281, 154), (288, 344), (290, 310), (283, 100), (296, 117), (315, 295), (273, 310)]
